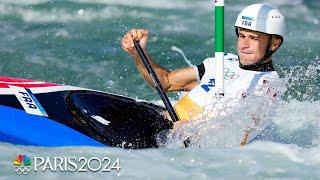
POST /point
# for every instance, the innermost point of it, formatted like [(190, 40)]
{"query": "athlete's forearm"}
[(161, 72)]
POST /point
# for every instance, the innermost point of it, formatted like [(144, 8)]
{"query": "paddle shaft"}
[(156, 82)]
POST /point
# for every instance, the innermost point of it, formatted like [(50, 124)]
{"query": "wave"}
[(289, 122)]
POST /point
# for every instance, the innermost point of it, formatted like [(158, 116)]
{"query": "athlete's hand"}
[(134, 34)]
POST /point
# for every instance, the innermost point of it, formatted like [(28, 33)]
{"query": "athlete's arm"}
[(178, 80)]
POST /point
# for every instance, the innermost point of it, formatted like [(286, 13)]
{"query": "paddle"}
[(156, 81)]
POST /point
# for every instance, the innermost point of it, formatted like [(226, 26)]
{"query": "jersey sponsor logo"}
[(28, 101), (228, 74), (211, 83)]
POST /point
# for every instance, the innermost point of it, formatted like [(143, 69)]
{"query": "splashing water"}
[(225, 123), (303, 82)]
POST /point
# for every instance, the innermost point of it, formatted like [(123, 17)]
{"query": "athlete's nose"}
[(244, 43)]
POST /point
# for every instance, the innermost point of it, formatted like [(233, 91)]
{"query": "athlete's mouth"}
[(244, 52)]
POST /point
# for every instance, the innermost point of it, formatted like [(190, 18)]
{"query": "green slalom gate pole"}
[(219, 46)]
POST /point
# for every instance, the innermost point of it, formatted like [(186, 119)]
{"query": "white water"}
[(290, 149)]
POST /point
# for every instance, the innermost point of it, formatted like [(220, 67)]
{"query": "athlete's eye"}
[(254, 38)]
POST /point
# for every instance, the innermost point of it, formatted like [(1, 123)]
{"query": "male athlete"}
[(260, 29)]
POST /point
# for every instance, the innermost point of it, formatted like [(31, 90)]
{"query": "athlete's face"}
[(251, 46)]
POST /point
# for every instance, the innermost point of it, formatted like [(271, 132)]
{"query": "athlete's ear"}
[(276, 42)]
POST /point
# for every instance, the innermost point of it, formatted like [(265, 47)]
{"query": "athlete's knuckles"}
[(139, 35), (123, 41), (126, 47), (133, 32)]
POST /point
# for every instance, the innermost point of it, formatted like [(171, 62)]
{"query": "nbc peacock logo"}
[(22, 164)]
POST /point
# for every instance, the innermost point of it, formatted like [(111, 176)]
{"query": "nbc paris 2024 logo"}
[(22, 164)]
